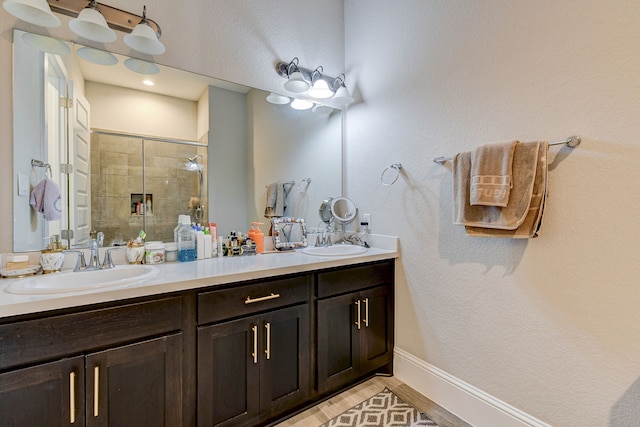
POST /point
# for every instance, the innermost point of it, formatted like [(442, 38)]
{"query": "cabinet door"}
[(285, 365), (136, 385), (376, 333), (338, 342), (50, 394), (229, 373)]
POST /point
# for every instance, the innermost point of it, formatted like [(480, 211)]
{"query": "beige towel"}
[(510, 217), (531, 225), (491, 166), (276, 200)]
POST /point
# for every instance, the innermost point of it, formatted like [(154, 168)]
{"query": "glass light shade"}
[(322, 109), (278, 99), (141, 67), (296, 83), (144, 40), (46, 44), (343, 96), (97, 56), (320, 90), (301, 104), (35, 12), (91, 25)]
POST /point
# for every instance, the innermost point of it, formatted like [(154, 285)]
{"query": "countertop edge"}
[(165, 284)]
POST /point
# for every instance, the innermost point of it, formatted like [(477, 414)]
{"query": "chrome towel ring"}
[(390, 174)]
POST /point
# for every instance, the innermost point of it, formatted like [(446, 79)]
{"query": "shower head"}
[(192, 163)]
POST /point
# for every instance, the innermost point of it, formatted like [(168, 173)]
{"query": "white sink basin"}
[(69, 281), (335, 250)]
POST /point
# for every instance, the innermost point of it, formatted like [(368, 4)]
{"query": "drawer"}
[(65, 335), (241, 300), (352, 279)]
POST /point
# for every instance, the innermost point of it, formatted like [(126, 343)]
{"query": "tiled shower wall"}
[(117, 173)]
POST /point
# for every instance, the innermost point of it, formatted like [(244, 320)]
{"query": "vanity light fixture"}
[(143, 38), (35, 12), (314, 83), (91, 25), (92, 20), (342, 96), (301, 104), (296, 82), (319, 86), (275, 98)]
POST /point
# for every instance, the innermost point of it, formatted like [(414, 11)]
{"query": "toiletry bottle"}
[(199, 243), (213, 229), (258, 237), (186, 240)]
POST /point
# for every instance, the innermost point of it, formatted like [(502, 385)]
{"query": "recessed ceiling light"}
[(148, 82)]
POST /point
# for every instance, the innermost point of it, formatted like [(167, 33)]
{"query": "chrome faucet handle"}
[(81, 262), (108, 262)]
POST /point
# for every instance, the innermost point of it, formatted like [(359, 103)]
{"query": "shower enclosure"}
[(144, 183)]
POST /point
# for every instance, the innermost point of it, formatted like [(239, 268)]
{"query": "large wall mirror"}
[(125, 156)]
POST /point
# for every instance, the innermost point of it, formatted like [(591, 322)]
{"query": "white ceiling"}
[(169, 81)]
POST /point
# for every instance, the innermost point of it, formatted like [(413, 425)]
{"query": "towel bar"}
[(571, 142)]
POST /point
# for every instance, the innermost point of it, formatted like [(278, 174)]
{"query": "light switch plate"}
[(23, 185)]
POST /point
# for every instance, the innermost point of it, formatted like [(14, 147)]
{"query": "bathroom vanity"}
[(238, 342)]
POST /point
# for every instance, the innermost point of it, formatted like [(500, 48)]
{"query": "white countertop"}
[(178, 276)]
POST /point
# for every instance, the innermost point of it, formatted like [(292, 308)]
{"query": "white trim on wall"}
[(473, 405)]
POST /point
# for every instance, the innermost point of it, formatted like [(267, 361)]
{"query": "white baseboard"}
[(458, 397)]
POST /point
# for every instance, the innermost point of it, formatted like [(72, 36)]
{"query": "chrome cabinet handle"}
[(96, 390), (72, 397), (357, 322), (366, 312), (255, 344), (249, 300), (267, 350)]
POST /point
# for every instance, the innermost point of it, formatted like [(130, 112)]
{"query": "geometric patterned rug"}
[(385, 409)]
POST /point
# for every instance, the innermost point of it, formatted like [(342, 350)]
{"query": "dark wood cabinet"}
[(136, 384), (242, 354), (50, 394), (254, 368), (355, 329)]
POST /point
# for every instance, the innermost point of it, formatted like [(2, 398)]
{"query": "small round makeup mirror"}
[(325, 211), (343, 210)]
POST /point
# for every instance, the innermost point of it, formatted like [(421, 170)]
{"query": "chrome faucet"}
[(325, 240), (94, 256), (94, 261)]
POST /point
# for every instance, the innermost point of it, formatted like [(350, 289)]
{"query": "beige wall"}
[(550, 325), (129, 111)]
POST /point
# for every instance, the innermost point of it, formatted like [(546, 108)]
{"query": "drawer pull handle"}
[(255, 344), (366, 312), (96, 390), (357, 322), (267, 326), (250, 300), (72, 398)]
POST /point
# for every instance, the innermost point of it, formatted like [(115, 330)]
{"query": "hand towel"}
[(275, 200), (510, 217), (531, 225), (45, 198), (491, 166)]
